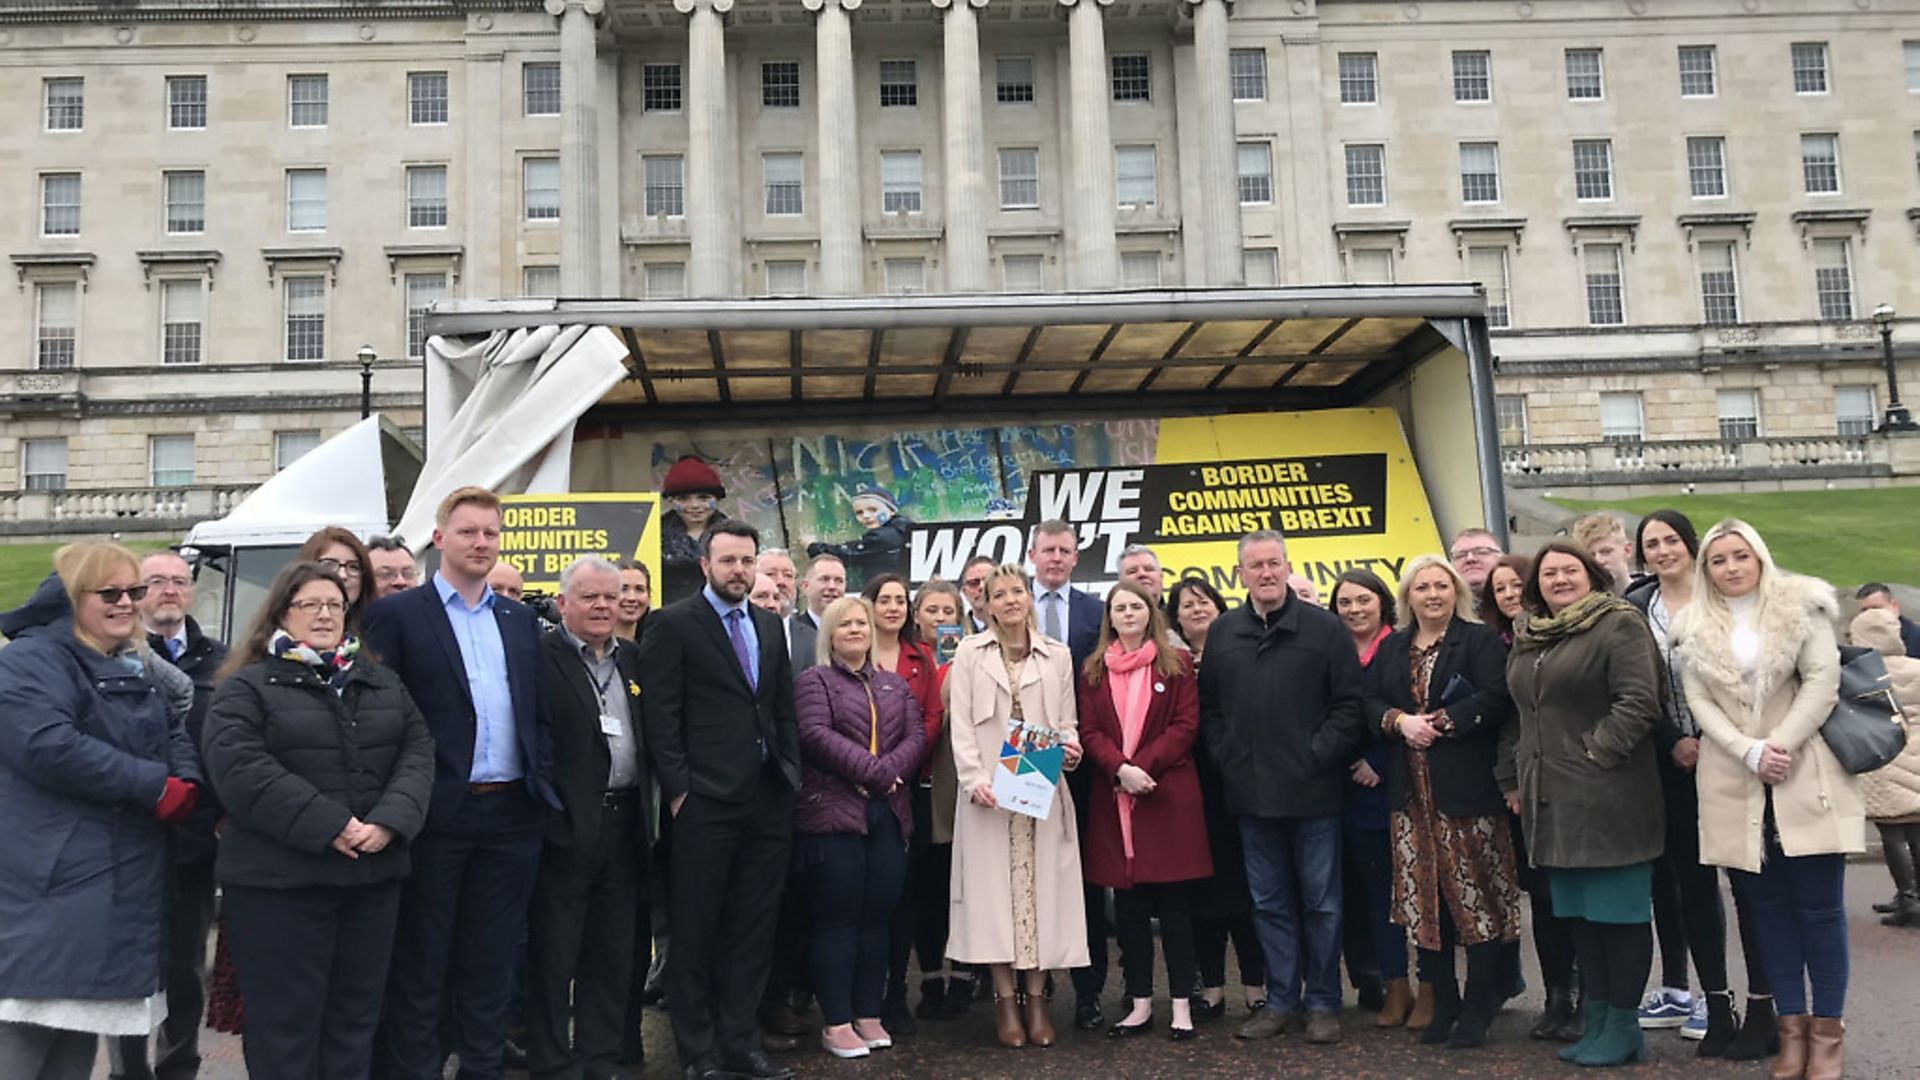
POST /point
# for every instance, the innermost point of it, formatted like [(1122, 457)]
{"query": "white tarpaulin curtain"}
[(340, 482), (501, 410)]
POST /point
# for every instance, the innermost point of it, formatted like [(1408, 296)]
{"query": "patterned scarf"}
[(331, 666), (1540, 631)]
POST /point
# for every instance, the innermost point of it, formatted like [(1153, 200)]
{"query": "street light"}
[(1897, 418), (367, 356)]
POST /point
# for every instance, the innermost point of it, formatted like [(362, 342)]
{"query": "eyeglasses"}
[(158, 582), (394, 573), (315, 607), (1481, 552), (344, 569), (112, 596)]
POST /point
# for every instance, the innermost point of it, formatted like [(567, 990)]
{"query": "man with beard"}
[(718, 693)]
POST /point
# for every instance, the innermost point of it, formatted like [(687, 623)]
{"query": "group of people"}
[(424, 810)]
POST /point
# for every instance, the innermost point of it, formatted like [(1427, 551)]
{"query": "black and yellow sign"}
[(542, 534)]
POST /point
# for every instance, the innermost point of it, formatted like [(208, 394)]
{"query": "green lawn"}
[(22, 566), (1846, 537)]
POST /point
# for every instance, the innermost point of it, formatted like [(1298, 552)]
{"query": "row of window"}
[(1585, 70), (170, 458), (182, 314), (1593, 161), (1623, 414), (65, 100), (183, 200), (1603, 277)]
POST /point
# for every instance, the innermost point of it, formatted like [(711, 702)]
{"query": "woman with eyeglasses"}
[(93, 768), (342, 552), (324, 766)]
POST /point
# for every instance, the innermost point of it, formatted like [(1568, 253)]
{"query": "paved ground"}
[(1883, 1036)]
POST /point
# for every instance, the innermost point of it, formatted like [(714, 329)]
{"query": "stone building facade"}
[(1684, 213)]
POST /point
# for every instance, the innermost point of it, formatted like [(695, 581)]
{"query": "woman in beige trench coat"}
[(1016, 903)]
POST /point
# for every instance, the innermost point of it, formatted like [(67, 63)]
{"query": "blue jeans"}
[(1293, 871), (1368, 858), (1800, 924)]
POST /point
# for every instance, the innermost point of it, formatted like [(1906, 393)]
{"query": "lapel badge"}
[(633, 688), (1159, 688)]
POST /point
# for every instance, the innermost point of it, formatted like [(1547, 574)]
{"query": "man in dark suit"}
[(593, 868), (1069, 615), (471, 660), (174, 634), (720, 728), (826, 581)]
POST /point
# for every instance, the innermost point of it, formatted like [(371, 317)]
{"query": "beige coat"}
[(1817, 809), (1892, 793), (980, 706)]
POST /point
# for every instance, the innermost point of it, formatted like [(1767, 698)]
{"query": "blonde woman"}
[(1760, 669), (1438, 688), (1016, 903)]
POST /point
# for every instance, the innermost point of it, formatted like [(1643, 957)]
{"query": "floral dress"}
[(1026, 903)]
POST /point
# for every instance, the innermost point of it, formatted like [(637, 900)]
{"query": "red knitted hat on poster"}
[(691, 476)]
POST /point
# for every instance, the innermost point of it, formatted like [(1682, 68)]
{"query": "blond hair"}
[(1462, 595), (1015, 573), (830, 621), (1708, 612), (469, 495), (1595, 527), (87, 565)]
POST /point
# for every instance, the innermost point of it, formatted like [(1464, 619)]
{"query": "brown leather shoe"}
[(782, 1020), (1007, 1026), (1398, 1006), (1422, 1014), (775, 1043), (1825, 1056), (1039, 1025), (1791, 1062)]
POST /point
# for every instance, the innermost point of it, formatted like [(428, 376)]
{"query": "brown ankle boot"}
[(1422, 1014), (1791, 1062), (1825, 1056), (1039, 1026), (1398, 1006), (1007, 1026)]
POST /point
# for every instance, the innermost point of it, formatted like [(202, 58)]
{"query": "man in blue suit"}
[(1069, 615), (471, 660)]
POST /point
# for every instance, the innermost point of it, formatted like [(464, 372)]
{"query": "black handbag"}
[(1865, 729)]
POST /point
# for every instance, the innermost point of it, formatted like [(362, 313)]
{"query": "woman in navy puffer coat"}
[(862, 745)]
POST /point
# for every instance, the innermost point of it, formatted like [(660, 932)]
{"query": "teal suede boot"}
[(1595, 1013), (1620, 1042)]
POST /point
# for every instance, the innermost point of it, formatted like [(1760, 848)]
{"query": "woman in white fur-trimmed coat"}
[(1761, 671)]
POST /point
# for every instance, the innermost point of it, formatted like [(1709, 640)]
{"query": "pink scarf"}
[(1128, 674)]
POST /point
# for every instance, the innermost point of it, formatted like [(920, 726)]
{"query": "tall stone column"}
[(580, 232), (1219, 153), (839, 149), (711, 163), (966, 154), (1093, 250)]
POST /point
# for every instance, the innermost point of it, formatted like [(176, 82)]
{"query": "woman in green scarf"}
[(1585, 676)]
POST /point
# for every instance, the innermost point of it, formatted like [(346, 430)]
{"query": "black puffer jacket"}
[(293, 761)]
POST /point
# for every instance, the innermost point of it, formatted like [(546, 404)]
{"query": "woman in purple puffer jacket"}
[(862, 745)]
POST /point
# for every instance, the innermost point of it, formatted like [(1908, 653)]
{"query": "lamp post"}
[(1897, 418), (367, 356)]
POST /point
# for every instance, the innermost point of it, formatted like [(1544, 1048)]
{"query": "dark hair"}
[(294, 577), (1166, 661), (381, 542), (1370, 581), (1672, 519), (909, 633), (976, 561), (729, 527), (635, 564), (317, 545), (1597, 577), (1489, 607), (1872, 588), (1179, 590)]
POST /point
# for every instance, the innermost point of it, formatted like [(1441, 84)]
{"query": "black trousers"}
[(312, 964), (1687, 915), (852, 885), (1089, 981), (1210, 937), (463, 913), (920, 918), (176, 1048), (586, 905), (1133, 912), (729, 868), (1552, 935)]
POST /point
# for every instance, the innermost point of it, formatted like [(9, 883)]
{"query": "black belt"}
[(619, 798)]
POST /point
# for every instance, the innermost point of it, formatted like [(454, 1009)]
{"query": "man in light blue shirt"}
[(476, 628)]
